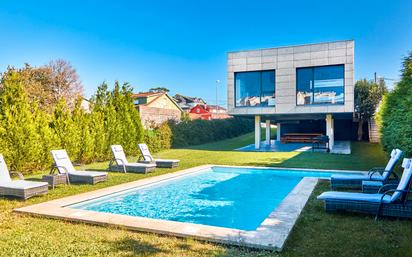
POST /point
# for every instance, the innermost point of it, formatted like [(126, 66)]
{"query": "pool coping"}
[(271, 234)]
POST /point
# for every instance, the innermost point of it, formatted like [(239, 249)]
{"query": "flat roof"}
[(309, 44)]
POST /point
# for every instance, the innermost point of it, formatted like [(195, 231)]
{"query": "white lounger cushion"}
[(166, 160), (4, 171), (147, 156), (140, 164), (374, 198), (357, 177), (395, 155), (119, 154), (61, 158), (22, 184), (87, 173)]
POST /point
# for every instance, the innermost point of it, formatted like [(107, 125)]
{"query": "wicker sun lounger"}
[(146, 157), (375, 174), (392, 202), (64, 166), (19, 188), (120, 163)]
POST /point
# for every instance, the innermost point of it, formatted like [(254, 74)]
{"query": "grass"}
[(315, 234)]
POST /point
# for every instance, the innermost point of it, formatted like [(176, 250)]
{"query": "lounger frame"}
[(159, 163), (357, 183), (400, 210), (113, 166), (23, 193), (73, 178)]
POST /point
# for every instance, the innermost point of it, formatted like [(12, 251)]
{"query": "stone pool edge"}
[(271, 234)]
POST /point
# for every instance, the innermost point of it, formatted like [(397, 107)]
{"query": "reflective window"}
[(320, 85), (255, 88)]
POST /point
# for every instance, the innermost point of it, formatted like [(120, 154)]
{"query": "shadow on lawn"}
[(133, 247)]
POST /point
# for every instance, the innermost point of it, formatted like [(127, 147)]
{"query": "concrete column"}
[(257, 132), (330, 130), (267, 132), (278, 132)]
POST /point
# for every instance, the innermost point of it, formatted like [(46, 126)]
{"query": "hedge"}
[(395, 114), (196, 132)]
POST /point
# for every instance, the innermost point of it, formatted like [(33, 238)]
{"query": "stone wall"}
[(155, 116)]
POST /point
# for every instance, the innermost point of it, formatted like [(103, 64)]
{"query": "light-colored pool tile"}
[(271, 234)]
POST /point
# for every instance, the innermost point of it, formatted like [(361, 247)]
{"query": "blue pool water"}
[(229, 197)]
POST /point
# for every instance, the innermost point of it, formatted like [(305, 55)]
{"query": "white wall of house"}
[(285, 60)]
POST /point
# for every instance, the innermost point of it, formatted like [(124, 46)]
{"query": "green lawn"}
[(315, 234)]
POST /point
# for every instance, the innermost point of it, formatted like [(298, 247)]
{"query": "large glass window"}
[(255, 88), (320, 85)]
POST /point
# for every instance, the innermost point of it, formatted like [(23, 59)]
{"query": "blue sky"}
[(182, 45)]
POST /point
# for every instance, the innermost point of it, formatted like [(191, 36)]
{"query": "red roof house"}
[(200, 112)]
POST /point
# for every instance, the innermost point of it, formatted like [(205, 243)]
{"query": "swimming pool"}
[(248, 206), (239, 198)]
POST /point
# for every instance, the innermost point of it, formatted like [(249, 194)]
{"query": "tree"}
[(36, 81), (395, 114), (367, 98), (64, 83), (18, 137), (46, 85), (47, 139), (159, 90), (81, 119), (66, 129)]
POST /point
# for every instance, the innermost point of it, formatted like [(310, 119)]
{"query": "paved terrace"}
[(340, 147)]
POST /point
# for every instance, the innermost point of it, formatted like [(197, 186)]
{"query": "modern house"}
[(302, 89), (156, 107)]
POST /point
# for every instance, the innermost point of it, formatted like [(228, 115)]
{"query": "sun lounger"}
[(392, 202), (64, 166), (146, 157), (120, 163), (19, 188), (375, 174)]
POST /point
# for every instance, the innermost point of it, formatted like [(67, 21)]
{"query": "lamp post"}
[(217, 103)]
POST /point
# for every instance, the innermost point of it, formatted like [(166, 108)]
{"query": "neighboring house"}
[(217, 112), (85, 105), (187, 102), (306, 88), (200, 112), (208, 112), (156, 108)]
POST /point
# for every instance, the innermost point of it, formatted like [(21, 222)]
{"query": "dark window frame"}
[(313, 91), (260, 88)]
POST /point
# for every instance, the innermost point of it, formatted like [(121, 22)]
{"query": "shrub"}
[(395, 114), (159, 138), (196, 132)]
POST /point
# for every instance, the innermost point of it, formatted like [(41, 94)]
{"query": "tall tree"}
[(66, 130), (65, 83), (395, 115), (18, 137), (159, 90), (367, 97)]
